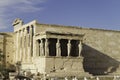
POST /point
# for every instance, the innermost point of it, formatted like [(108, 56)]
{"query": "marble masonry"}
[(56, 50)]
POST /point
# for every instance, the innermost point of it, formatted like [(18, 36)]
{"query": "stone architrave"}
[(46, 47), (58, 48), (80, 48), (41, 48), (69, 47)]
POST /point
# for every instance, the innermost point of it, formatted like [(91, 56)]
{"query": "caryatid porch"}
[(58, 44), (59, 54)]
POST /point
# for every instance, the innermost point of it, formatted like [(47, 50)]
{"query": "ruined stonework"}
[(57, 50), (7, 47)]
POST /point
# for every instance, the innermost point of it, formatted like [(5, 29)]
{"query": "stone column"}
[(18, 51), (69, 47), (37, 48), (58, 48), (17, 45), (80, 48), (28, 46), (25, 46), (41, 48), (20, 46), (31, 42), (46, 47)]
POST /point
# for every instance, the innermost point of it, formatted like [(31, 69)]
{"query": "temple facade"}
[(48, 52), (56, 50)]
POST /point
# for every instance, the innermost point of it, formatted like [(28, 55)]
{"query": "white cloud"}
[(10, 8), (27, 8), (12, 2)]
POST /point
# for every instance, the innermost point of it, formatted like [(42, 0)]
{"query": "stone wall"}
[(7, 47), (1, 43), (64, 66), (100, 47), (101, 51)]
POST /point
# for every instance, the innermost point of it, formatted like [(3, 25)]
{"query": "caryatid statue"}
[(80, 48), (58, 48), (46, 47), (69, 47), (41, 48)]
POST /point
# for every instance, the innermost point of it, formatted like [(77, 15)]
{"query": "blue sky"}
[(103, 14)]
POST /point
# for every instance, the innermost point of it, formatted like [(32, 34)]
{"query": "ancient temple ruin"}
[(54, 53), (56, 50)]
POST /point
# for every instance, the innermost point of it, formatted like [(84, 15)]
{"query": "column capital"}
[(30, 27), (16, 31), (69, 39), (41, 40), (58, 40), (46, 39), (19, 31), (25, 30)]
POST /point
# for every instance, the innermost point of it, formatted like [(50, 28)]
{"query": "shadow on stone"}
[(97, 63)]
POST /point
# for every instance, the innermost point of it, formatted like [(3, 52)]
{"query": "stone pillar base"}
[(68, 74), (65, 66), (28, 67)]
